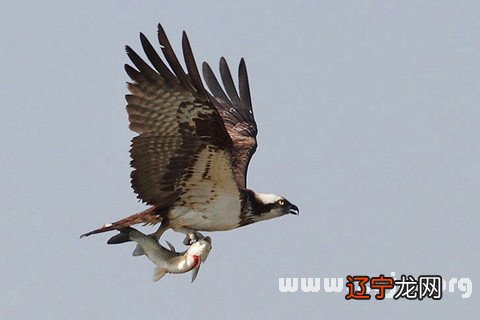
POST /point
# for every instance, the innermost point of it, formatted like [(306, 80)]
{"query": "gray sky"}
[(369, 121)]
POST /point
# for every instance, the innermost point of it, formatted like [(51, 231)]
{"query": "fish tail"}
[(123, 236)]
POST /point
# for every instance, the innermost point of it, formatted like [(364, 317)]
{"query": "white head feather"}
[(267, 197)]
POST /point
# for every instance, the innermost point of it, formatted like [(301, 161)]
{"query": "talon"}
[(192, 237), (187, 241)]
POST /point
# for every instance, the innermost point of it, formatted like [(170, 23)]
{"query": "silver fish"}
[(166, 260)]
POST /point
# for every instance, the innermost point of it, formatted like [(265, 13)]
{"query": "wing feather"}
[(213, 84), (171, 57), (178, 126), (228, 82), (192, 65), (156, 61), (237, 114), (244, 88)]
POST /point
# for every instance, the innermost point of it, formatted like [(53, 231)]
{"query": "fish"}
[(166, 260)]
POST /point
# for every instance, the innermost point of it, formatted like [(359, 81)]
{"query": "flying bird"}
[(191, 154)]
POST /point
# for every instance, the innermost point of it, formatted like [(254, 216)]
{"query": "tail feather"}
[(150, 216)]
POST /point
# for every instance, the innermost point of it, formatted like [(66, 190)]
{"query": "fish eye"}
[(281, 202)]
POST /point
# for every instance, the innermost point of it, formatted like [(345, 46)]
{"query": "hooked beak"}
[(294, 210)]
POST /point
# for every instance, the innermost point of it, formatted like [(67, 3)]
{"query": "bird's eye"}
[(281, 202)]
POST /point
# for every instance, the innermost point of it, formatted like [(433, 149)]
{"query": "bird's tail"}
[(150, 216)]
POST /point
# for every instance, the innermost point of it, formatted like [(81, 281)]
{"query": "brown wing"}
[(237, 114), (181, 133)]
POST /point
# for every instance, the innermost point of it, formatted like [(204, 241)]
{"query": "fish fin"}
[(158, 273), (170, 245), (119, 238), (204, 258), (195, 272), (138, 251)]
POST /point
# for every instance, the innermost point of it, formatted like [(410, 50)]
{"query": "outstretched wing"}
[(182, 142), (237, 114)]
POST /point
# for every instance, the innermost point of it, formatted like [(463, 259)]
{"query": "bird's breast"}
[(217, 215)]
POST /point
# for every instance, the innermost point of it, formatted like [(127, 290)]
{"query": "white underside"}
[(219, 215), (212, 202)]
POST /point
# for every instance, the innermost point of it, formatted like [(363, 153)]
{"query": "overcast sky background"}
[(369, 121)]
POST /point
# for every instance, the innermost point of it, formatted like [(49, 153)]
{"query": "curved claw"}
[(192, 237)]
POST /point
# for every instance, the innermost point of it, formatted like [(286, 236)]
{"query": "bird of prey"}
[(191, 154)]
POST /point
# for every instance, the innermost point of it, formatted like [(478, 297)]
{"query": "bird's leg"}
[(161, 230), (192, 237)]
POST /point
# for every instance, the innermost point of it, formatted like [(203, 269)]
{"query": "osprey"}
[(193, 147)]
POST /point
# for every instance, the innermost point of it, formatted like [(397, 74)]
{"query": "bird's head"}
[(268, 206)]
